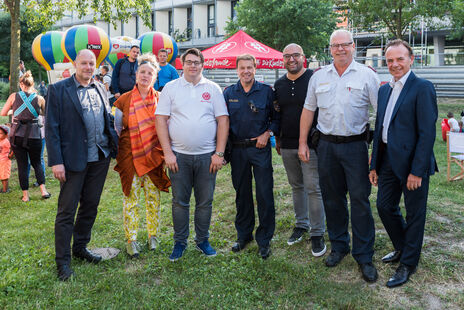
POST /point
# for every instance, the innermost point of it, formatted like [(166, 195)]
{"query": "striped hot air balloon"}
[(46, 49), (86, 37), (120, 47), (153, 41)]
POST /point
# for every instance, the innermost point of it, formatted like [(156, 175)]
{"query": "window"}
[(211, 21), (189, 23), (153, 21), (233, 6), (170, 23)]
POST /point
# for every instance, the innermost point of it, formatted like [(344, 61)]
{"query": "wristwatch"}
[(220, 154)]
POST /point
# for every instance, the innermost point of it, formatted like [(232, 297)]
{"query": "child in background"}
[(461, 129), (5, 161)]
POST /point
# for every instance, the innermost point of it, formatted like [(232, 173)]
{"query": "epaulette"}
[(372, 69)]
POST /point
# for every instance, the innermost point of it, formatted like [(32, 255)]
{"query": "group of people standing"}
[(192, 128)]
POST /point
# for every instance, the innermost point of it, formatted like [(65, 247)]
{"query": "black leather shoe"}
[(87, 255), (369, 272), (264, 251), (392, 257), (401, 276), (240, 245), (64, 272), (334, 258)]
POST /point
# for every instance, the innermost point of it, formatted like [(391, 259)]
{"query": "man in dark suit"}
[(402, 157), (79, 141)]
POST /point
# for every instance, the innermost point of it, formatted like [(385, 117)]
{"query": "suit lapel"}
[(384, 103), (403, 93), (72, 93)]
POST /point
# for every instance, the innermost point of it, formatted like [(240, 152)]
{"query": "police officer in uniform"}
[(253, 120)]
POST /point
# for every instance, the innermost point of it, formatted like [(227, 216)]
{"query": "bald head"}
[(293, 46), (294, 59), (85, 66), (85, 53)]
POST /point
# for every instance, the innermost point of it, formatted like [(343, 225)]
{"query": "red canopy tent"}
[(223, 55)]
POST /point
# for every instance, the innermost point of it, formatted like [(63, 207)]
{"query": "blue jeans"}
[(193, 173), (344, 168)]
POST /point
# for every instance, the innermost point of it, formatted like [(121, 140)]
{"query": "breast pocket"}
[(324, 97), (357, 96)]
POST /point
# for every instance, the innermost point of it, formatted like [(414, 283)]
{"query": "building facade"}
[(192, 23)]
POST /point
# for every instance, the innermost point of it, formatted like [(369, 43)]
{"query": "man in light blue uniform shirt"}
[(343, 91)]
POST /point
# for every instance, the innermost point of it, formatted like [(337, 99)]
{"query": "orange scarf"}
[(142, 131)]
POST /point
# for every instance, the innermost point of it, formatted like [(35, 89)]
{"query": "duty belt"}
[(345, 139), (244, 143)]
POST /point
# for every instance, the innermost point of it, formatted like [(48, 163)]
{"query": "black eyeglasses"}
[(294, 55), (342, 45), (252, 106)]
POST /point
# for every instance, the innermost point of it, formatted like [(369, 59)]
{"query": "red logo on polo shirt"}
[(206, 96)]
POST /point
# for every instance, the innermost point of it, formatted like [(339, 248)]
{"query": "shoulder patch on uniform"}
[(372, 68)]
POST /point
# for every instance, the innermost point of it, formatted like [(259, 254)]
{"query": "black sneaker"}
[(297, 235), (318, 247)]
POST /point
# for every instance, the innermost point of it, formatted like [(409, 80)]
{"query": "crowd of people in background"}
[(144, 116)]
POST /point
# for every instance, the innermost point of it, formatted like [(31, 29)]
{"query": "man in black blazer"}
[(80, 141), (402, 157)]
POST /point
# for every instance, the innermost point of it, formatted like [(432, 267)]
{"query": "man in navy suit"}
[(402, 157), (79, 141)]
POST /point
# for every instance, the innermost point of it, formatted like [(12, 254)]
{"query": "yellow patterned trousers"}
[(131, 210)]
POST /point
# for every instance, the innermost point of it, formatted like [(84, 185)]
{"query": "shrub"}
[(4, 90)]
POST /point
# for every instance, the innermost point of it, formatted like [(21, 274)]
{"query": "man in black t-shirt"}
[(290, 92)]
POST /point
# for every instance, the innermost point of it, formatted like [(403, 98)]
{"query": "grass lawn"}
[(290, 279)]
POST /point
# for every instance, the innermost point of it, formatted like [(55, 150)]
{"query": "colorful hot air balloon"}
[(46, 49), (154, 41), (86, 37), (119, 49)]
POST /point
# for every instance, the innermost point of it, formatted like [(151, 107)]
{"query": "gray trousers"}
[(307, 198)]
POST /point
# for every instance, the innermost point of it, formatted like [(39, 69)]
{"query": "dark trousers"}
[(406, 235), (22, 154), (343, 168), (83, 188), (243, 161)]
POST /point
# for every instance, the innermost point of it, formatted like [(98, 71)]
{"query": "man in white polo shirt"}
[(192, 125)]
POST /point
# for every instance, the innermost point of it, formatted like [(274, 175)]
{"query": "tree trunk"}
[(15, 11)]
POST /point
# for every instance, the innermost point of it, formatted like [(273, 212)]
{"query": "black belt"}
[(244, 143), (344, 139)]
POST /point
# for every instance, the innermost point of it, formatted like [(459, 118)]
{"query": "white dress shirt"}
[(343, 101), (397, 87)]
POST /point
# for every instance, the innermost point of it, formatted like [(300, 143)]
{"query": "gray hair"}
[(341, 31)]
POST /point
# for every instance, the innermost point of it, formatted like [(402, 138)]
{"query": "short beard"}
[(297, 69)]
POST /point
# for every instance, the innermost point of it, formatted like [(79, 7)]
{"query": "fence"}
[(448, 80)]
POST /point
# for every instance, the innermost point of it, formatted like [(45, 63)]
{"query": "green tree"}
[(279, 22), (395, 15), (27, 38), (457, 18), (44, 13)]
